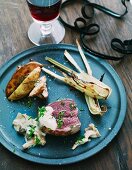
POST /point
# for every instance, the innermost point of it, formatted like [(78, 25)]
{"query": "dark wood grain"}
[(14, 22)]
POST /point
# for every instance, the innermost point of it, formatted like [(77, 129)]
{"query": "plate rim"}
[(94, 150)]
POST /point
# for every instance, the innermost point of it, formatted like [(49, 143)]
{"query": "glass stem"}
[(46, 29)]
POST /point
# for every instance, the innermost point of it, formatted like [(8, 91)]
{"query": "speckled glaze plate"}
[(57, 150)]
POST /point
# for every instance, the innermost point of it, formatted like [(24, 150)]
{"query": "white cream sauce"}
[(31, 128), (48, 120)]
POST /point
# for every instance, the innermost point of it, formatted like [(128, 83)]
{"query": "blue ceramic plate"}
[(58, 150)]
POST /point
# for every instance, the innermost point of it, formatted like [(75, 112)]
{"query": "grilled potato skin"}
[(21, 73), (26, 86)]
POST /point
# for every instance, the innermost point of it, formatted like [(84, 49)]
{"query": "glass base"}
[(54, 37)]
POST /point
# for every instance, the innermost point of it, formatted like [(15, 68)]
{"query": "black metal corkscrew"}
[(87, 29)]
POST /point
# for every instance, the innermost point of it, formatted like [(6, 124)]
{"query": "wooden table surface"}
[(15, 20)]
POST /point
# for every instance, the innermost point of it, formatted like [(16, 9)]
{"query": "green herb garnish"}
[(41, 111), (59, 123), (37, 141), (30, 117), (72, 106), (81, 137), (31, 131), (60, 119), (61, 114), (37, 118), (81, 140), (29, 103)]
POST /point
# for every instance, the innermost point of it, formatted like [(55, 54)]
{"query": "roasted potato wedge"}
[(27, 85), (21, 73)]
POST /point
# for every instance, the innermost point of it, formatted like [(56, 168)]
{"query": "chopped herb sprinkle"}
[(81, 137), (81, 140), (41, 111), (31, 132), (30, 117), (72, 106), (37, 141), (37, 118), (59, 123), (29, 103), (61, 114), (60, 119)]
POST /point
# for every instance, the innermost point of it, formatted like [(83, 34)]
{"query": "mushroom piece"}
[(37, 138), (90, 132), (29, 127), (22, 121)]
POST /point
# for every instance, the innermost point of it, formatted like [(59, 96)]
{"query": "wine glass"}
[(46, 27)]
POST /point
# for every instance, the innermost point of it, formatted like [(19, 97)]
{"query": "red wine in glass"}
[(46, 28), (44, 10)]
